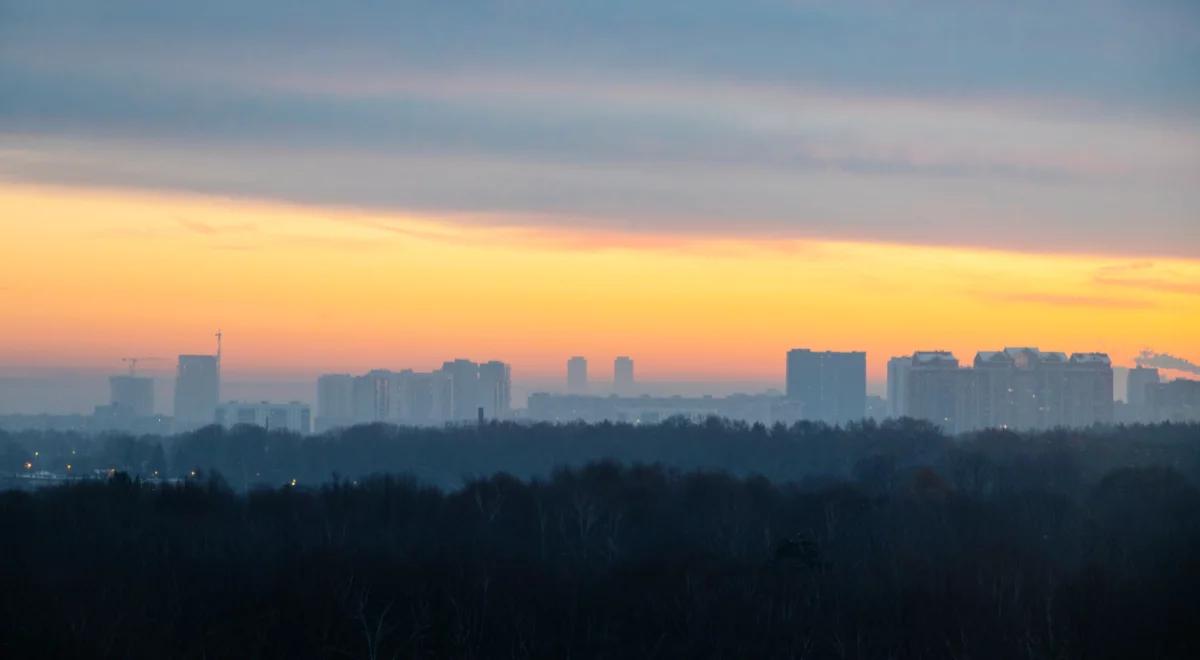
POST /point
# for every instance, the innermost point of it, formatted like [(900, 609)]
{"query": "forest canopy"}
[(864, 542)]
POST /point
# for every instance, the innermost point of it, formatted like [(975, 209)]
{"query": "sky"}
[(701, 185)]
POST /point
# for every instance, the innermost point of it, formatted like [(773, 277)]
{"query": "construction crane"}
[(133, 362)]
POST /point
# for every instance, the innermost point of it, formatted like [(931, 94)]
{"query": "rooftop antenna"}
[(218, 345)]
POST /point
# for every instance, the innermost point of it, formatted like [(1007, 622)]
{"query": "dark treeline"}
[(1064, 461), (603, 561), (866, 542)]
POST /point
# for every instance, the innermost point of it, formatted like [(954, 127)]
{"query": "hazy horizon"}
[(69, 391), (56, 390)]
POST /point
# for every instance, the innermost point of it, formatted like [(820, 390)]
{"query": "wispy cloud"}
[(1146, 276), (209, 229), (1070, 300), (687, 199)]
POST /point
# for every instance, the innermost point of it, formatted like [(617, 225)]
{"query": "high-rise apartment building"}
[(372, 396), (197, 391), (464, 375), (1038, 378), (1135, 387), (897, 385), (1174, 401), (577, 375), (623, 375), (831, 386), (1018, 387), (495, 389), (991, 401), (933, 389), (1088, 390), (442, 398), (417, 400), (131, 395), (426, 398), (335, 401)]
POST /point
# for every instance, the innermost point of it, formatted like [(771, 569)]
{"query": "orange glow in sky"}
[(88, 276)]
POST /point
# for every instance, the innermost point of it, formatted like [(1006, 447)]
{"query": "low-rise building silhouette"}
[(292, 416), (750, 408)]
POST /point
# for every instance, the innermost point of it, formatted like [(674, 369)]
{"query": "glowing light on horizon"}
[(91, 275)]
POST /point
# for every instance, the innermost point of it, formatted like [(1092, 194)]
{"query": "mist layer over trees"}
[(867, 542), (249, 456)]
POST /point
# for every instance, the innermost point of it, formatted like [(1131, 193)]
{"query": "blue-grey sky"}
[(1069, 126)]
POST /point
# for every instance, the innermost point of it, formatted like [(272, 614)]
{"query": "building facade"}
[(1137, 382), (1088, 394), (197, 391), (293, 416), (132, 395), (335, 401), (454, 393), (495, 390), (623, 375), (749, 408), (897, 381), (933, 387), (464, 377), (1174, 401), (1018, 387), (372, 396), (577, 375), (831, 386)]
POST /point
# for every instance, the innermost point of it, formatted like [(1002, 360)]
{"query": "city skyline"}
[(82, 388), (819, 385)]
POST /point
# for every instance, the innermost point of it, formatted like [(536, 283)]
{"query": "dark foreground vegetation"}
[(872, 542)]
